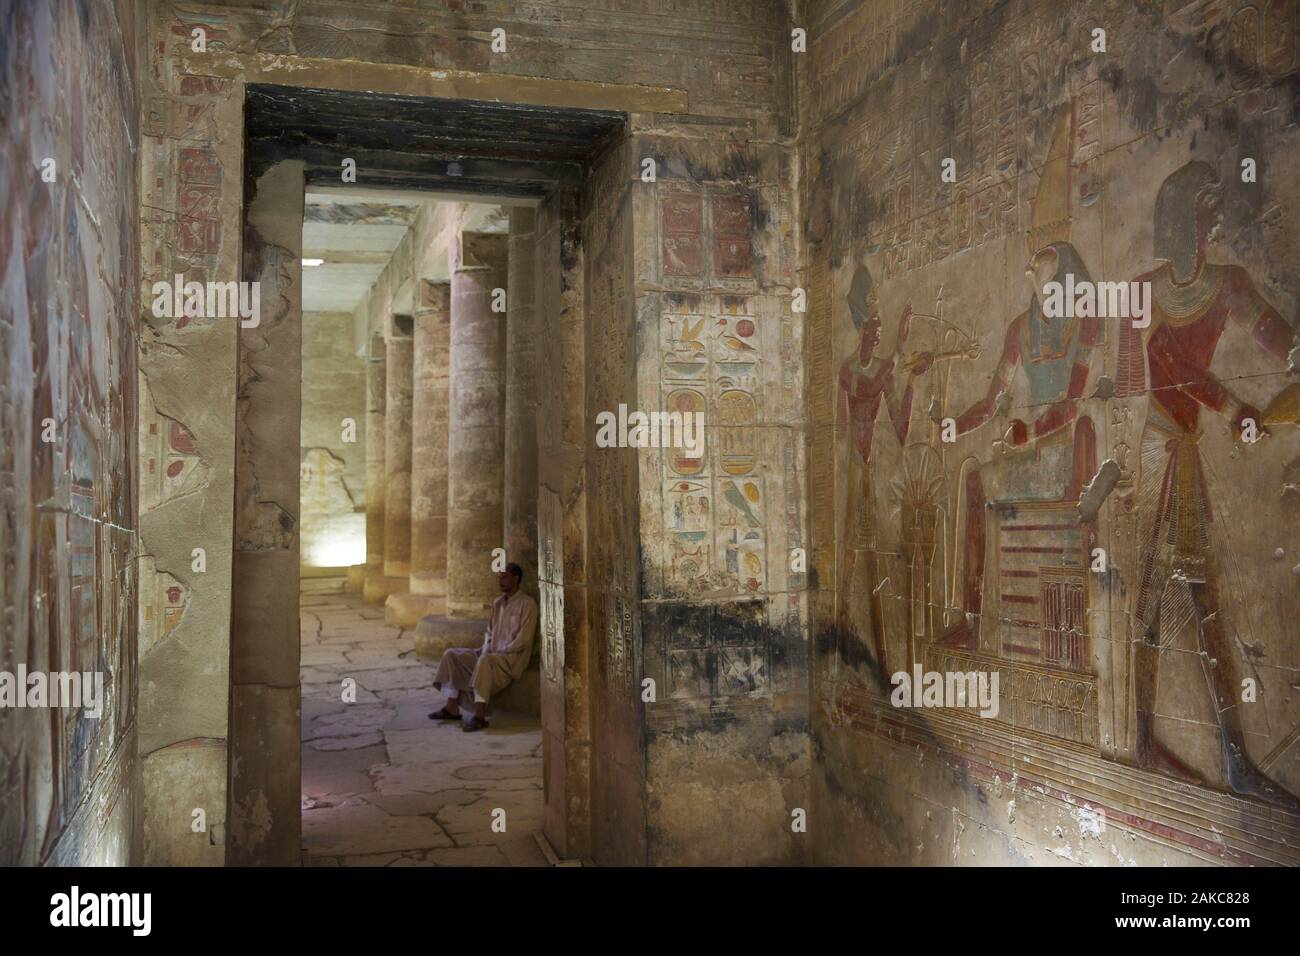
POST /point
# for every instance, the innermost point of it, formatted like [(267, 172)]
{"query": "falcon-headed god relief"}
[(1050, 448)]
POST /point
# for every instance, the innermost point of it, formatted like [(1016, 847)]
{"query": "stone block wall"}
[(191, 214)]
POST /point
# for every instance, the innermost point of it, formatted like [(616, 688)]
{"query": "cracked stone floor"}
[(382, 785)]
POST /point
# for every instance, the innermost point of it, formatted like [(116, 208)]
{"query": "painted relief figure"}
[(1179, 573), (865, 380), (1054, 355), (1049, 457)]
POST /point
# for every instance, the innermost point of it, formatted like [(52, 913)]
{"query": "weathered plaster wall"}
[(721, 629), (1121, 693), (69, 263), (721, 53), (333, 481)]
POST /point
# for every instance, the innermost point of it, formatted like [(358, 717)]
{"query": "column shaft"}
[(475, 440), (521, 399), (429, 440), (376, 402), (397, 451)]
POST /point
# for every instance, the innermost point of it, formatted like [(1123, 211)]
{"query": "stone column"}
[(376, 402), (397, 451), (521, 399), (429, 465), (475, 448), (430, 397), (476, 452)]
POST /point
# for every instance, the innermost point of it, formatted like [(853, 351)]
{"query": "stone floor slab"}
[(468, 856), (472, 822), (395, 678), (365, 829), (379, 776)]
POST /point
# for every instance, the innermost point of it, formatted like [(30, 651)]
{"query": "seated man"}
[(507, 648)]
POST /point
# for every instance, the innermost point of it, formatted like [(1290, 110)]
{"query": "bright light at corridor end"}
[(339, 547)]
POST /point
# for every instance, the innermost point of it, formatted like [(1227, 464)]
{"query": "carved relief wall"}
[(1067, 500), (68, 415)]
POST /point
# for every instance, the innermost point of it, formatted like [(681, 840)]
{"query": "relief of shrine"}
[(1079, 529)]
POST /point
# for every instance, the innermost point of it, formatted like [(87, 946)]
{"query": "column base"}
[(431, 584), (523, 696), (406, 609), (356, 579), (377, 588), (435, 633)]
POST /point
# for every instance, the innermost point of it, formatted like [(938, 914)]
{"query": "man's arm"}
[(1196, 381), (1272, 333), (523, 639), (1268, 330), (900, 413), (984, 410), (1189, 376)]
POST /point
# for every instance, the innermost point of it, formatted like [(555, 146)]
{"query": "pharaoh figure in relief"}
[(866, 379), (1042, 456), (1179, 561)]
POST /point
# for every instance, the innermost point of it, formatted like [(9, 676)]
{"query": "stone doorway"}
[(509, 441)]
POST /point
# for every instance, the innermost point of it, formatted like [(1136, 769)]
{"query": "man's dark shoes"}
[(444, 714), (475, 723)]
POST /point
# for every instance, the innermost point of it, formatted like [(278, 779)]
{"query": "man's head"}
[(510, 577), (864, 310), (1187, 216)]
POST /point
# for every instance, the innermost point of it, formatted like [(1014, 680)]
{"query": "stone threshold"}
[(548, 851)]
